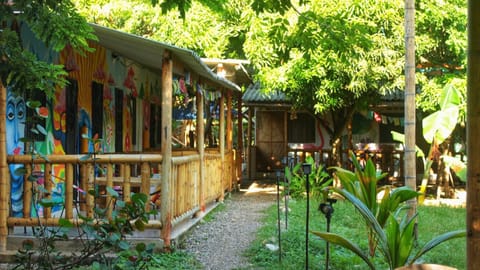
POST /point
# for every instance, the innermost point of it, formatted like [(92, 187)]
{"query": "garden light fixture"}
[(307, 169)]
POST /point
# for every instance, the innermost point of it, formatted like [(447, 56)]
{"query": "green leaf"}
[(139, 225), (140, 247), (20, 171), (440, 124), (399, 137), (124, 245), (41, 130), (63, 222), (112, 192), (343, 242), (437, 241)]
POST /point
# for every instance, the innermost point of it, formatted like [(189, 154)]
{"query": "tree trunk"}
[(4, 174), (473, 133), (410, 157)]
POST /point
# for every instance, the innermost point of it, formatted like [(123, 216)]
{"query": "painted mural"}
[(108, 96)]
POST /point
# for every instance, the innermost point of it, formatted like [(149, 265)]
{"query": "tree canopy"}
[(56, 23)]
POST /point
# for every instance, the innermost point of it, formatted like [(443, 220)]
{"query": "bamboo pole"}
[(239, 139), (33, 221), (89, 199), (250, 165), (145, 186), (47, 180), (4, 173), (27, 191), (410, 151), (229, 143), (201, 149), (222, 141), (69, 191), (83, 186), (109, 184), (126, 183), (166, 214), (473, 133), (99, 159)]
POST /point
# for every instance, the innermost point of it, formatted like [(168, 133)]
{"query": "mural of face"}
[(16, 115)]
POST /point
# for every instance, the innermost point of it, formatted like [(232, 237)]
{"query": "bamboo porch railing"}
[(129, 173)]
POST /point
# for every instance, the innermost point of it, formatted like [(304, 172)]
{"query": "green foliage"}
[(54, 22), (99, 235), (432, 222), (439, 125), (395, 241), (319, 179), (363, 185)]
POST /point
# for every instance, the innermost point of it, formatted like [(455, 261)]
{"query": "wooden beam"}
[(167, 89), (222, 139), (4, 173), (201, 147), (473, 133)]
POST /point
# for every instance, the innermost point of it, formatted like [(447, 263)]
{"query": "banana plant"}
[(437, 127), (395, 240), (363, 185)]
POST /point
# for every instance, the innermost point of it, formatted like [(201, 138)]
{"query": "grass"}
[(433, 221)]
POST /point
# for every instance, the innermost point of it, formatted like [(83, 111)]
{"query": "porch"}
[(184, 196)]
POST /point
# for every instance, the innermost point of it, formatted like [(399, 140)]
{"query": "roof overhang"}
[(149, 53)]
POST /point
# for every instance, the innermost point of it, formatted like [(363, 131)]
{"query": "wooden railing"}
[(126, 173)]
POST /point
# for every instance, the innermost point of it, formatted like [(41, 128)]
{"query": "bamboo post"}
[(109, 199), (83, 186), (222, 143), (27, 192), (126, 183), (239, 139), (166, 215), (410, 159), (89, 199), (250, 165), (473, 133), (4, 172), (201, 149), (145, 186), (229, 142), (47, 176), (68, 190)]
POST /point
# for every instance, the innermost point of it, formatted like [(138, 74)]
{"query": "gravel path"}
[(218, 244)]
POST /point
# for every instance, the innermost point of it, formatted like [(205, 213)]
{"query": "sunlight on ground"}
[(261, 188)]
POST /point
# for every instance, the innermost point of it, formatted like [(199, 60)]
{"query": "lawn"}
[(432, 222)]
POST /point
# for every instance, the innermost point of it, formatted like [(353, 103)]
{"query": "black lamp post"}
[(278, 218), (307, 169), (327, 210)]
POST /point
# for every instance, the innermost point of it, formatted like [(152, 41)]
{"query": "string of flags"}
[(384, 119)]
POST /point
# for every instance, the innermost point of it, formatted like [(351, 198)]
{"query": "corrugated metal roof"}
[(254, 96), (149, 53)]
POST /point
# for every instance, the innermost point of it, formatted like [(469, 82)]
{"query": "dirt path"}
[(218, 244)]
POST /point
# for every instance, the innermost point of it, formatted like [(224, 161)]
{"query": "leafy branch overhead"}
[(57, 24)]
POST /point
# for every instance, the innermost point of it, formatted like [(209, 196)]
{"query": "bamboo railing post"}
[(4, 171), (201, 149), (126, 183), (27, 192), (89, 199), (69, 191), (239, 152), (166, 214), (47, 175), (145, 186), (109, 199), (229, 139), (222, 143), (83, 186)]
